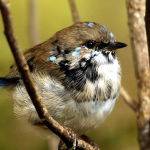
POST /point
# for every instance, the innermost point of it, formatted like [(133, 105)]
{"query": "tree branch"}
[(33, 22), (136, 13), (74, 11), (67, 135), (133, 104)]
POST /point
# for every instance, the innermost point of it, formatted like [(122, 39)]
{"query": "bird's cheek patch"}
[(52, 58), (76, 52)]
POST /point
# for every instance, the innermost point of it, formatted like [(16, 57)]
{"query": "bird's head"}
[(84, 44), (79, 51)]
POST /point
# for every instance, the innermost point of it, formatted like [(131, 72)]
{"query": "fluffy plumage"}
[(77, 74)]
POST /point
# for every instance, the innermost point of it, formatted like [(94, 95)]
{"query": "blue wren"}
[(77, 74)]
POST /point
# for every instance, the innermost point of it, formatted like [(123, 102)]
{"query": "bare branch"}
[(67, 135), (74, 11), (136, 14), (128, 99), (33, 22)]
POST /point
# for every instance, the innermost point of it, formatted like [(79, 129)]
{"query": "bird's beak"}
[(116, 45)]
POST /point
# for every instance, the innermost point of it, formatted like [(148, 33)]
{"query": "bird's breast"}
[(79, 115), (86, 115), (101, 96)]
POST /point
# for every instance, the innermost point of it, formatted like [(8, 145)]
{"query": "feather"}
[(4, 81)]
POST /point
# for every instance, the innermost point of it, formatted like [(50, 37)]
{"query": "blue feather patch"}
[(76, 52), (52, 58), (8, 81), (3, 82)]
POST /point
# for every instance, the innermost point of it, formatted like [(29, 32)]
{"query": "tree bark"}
[(33, 22), (74, 11), (136, 14)]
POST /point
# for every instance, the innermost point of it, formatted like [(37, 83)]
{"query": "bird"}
[(77, 73)]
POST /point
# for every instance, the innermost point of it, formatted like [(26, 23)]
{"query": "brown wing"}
[(37, 59)]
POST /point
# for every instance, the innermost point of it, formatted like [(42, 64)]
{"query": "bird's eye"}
[(102, 45), (90, 44)]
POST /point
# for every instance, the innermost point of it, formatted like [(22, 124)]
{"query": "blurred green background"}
[(118, 132)]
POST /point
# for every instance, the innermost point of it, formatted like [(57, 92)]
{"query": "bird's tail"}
[(6, 81)]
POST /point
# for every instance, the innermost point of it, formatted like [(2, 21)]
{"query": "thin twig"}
[(33, 22), (74, 11), (128, 99), (67, 135)]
